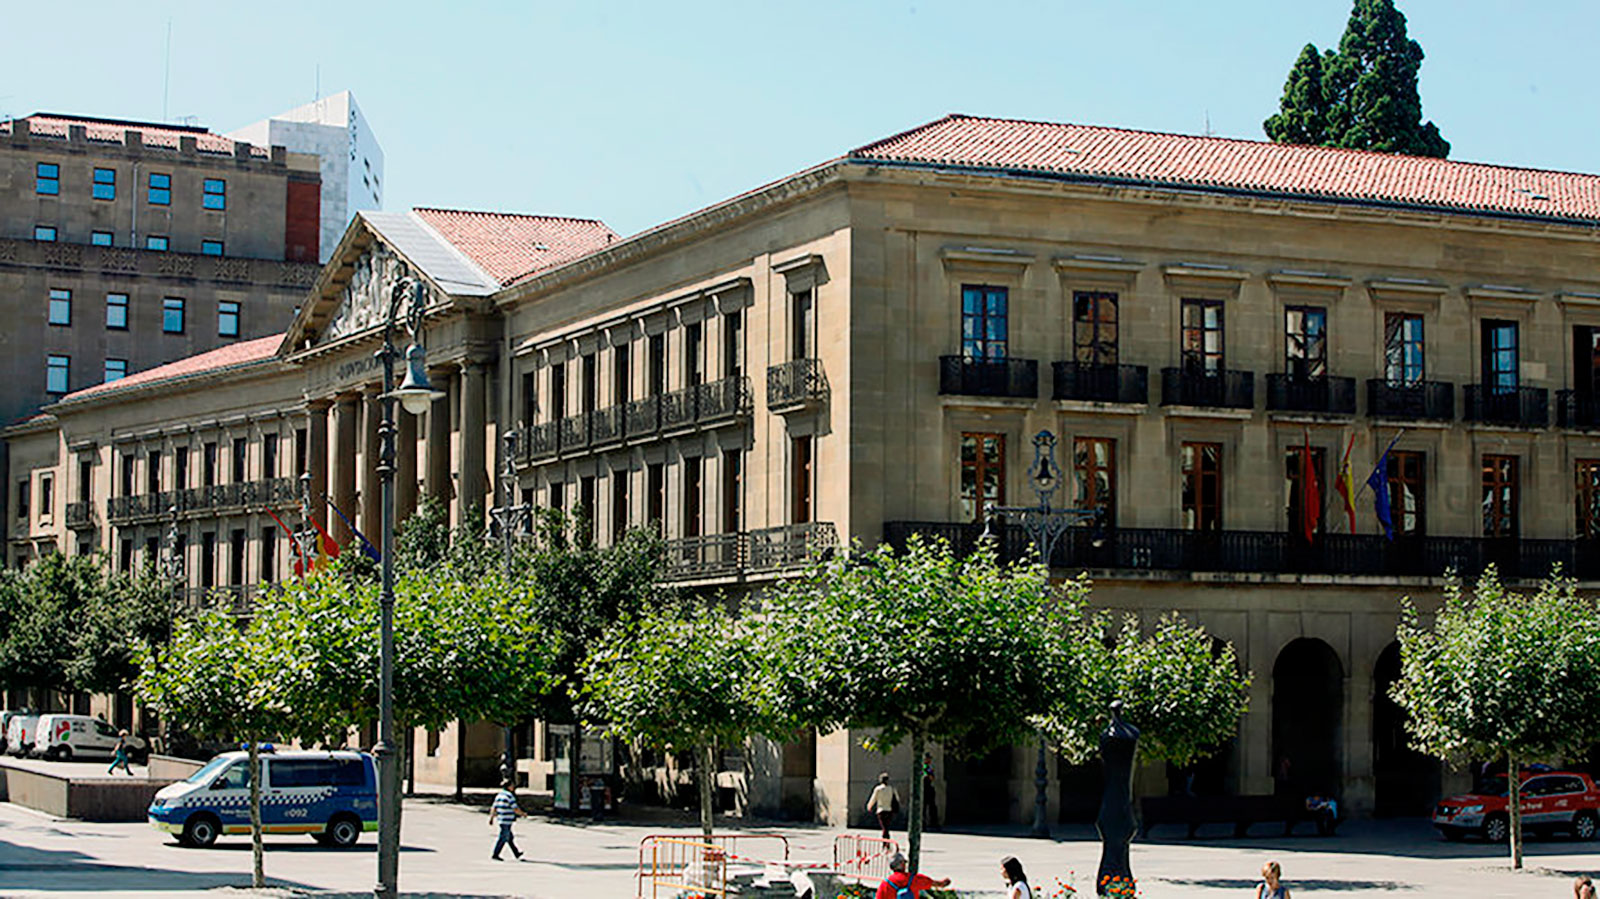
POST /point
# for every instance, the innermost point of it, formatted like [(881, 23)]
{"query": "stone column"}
[(342, 465), (371, 520), (473, 434), (317, 456), (405, 460), (437, 475)]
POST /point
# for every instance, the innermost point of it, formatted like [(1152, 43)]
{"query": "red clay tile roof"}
[(510, 247), (154, 134), (1118, 154), (234, 355)]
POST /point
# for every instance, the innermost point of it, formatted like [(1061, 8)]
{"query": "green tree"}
[(919, 645), (216, 680), (1367, 97), (1502, 675), (1183, 690), (682, 679)]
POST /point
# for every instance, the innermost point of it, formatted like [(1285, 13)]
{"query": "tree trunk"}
[(914, 803), (1514, 782), (708, 784), (258, 872)]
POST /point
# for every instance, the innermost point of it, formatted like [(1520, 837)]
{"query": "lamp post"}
[(415, 394), (511, 519), (1044, 524)]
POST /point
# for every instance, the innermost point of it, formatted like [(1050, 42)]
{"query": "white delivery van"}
[(19, 734), (5, 723), (68, 737)]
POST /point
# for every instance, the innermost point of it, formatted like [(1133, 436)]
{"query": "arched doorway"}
[(1406, 781), (1307, 719)]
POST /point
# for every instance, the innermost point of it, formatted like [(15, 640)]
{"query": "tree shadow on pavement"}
[(26, 867), (1401, 837), (1332, 886)]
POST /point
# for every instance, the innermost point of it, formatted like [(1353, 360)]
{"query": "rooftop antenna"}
[(1208, 131), (166, 71), (316, 88)]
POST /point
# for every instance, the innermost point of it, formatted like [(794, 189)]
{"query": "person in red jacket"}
[(898, 880)]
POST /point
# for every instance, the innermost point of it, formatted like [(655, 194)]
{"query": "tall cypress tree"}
[(1366, 96)]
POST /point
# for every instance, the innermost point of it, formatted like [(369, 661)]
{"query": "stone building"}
[(855, 353)]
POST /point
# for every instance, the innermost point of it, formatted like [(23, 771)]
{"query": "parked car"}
[(1552, 801), (66, 737), (333, 796), (19, 733)]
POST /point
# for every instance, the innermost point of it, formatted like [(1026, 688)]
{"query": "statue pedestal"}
[(1115, 823)]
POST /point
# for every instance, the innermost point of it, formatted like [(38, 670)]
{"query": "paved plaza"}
[(447, 848)]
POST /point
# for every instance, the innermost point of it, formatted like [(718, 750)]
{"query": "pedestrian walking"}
[(901, 885), (1016, 882), (119, 755), (1583, 887), (883, 802), (930, 799), (1271, 886), (505, 812)]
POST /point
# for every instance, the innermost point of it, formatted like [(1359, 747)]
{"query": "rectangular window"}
[(1407, 493), (211, 248), (1094, 328), (172, 315), (692, 523), (101, 238), (655, 494), (269, 456), (558, 391), (983, 474), (530, 397), (180, 468), (586, 507), (985, 332), (694, 368), (155, 242), (1501, 371), (1294, 486), (1202, 486), (227, 319), (152, 471), (47, 179), (302, 450), (241, 453), (56, 371), (1403, 349), (619, 505), (116, 369), (1588, 497), (1500, 497), (105, 184), (269, 555), (127, 474), (733, 344), (1094, 461), (47, 497), (558, 496), (208, 560), (621, 374), (589, 388), (208, 465), (1305, 345), (85, 480), (44, 233), (732, 491), (236, 557), (802, 325), (216, 194), (24, 492), (117, 311), (1202, 346), (125, 556), (658, 365), (160, 192), (802, 480), (60, 307)]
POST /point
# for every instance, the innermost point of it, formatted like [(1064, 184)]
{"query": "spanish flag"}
[(1346, 485)]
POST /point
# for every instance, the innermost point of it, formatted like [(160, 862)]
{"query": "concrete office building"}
[(334, 130), (855, 353)]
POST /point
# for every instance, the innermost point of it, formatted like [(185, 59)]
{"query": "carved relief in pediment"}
[(364, 301)]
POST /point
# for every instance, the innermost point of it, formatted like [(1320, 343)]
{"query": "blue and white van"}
[(333, 796)]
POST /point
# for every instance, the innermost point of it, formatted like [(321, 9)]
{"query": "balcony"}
[(791, 545), (754, 553), (191, 501), (797, 384), (1417, 401), (1577, 410), (80, 515), (1220, 390), (708, 556), (1320, 396), (235, 599), (697, 406), (1520, 407), (1273, 552), (1089, 382), (963, 376)]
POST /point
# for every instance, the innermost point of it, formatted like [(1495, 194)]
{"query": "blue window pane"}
[(160, 193), (228, 320), (216, 194), (101, 238), (211, 247), (44, 233), (116, 369), (47, 178), (56, 370), (105, 184), (155, 242), (117, 311), (172, 315)]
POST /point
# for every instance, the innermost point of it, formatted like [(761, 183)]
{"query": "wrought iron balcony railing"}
[(1414, 401), (760, 552), (80, 515), (964, 376), (707, 556), (795, 384), (1220, 389), (274, 492), (791, 545), (1523, 407), (1577, 410), (1324, 395), (700, 405), (235, 599), (1101, 383)]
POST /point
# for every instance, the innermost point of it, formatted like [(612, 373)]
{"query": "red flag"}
[(299, 555), (1310, 493)]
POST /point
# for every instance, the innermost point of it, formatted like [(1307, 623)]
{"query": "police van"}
[(330, 795)]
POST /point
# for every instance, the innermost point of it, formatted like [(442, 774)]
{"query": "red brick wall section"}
[(302, 222)]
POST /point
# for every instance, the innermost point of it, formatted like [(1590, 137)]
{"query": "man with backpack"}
[(901, 885)]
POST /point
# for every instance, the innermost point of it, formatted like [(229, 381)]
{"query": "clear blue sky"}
[(637, 113)]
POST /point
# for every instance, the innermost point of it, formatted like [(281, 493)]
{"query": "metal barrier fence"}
[(669, 864), (864, 858)]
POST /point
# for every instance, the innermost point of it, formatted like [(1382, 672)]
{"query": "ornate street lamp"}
[(513, 521), (1044, 524), (415, 394)]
